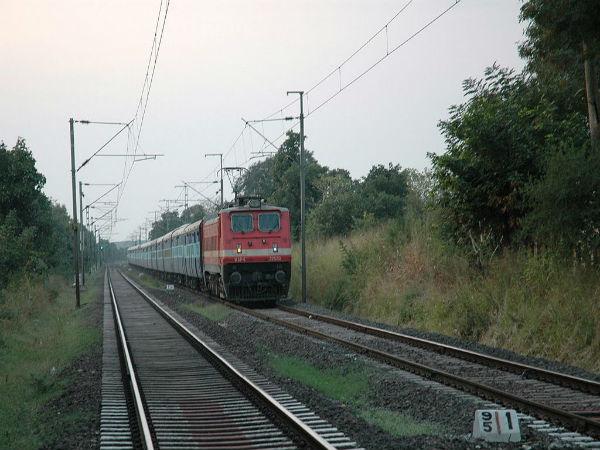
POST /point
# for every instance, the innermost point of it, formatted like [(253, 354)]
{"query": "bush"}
[(565, 203), (405, 273)]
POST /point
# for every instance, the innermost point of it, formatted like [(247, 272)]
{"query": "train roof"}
[(249, 208), (182, 229), (190, 227)]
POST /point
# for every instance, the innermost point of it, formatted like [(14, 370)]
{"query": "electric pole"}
[(81, 234), (95, 248), (220, 155), (185, 194), (75, 225), (302, 195)]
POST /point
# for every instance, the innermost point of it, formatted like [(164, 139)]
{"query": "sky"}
[(221, 61)]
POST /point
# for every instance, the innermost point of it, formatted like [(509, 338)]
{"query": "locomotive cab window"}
[(241, 223), (268, 222)]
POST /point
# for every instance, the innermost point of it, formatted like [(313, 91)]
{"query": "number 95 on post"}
[(496, 425)]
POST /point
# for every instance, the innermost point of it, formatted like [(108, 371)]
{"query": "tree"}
[(34, 233), (497, 141), (383, 191), (258, 179), (563, 35), (286, 179), (336, 213), (565, 203), (169, 220), (193, 213)]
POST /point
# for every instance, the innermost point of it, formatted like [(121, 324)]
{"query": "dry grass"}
[(404, 275)]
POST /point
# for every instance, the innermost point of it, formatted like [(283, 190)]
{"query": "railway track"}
[(188, 393), (563, 399), (571, 401)]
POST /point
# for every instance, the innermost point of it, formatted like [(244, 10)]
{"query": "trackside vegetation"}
[(406, 274), (350, 385), (41, 333), (499, 242)]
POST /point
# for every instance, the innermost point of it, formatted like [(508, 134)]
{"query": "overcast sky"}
[(221, 60)]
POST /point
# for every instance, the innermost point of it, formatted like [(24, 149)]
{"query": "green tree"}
[(383, 191), (563, 41), (336, 213), (193, 213), (496, 144), (33, 232), (258, 179), (286, 179), (565, 203), (169, 220)]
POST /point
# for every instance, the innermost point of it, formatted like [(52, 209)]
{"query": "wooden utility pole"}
[(75, 225), (302, 196), (591, 90)]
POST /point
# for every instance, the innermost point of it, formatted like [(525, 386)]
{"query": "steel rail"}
[(305, 432), (525, 370), (578, 422), (575, 421), (146, 435)]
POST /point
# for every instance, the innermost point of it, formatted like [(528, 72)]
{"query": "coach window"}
[(268, 222), (241, 223)]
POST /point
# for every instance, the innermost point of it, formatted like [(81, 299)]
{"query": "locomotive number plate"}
[(239, 259), (274, 258)]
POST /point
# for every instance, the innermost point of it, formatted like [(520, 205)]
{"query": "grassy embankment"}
[(404, 275), (41, 333)]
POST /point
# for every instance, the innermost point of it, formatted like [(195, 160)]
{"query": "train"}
[(243, 253)]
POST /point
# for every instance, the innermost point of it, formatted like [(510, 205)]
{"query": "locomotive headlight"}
[(239, 248), (275, 247)]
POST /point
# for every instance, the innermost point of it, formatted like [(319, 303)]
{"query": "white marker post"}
[(496, 425)]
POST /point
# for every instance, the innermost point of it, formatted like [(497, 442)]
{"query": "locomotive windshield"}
[(241, 223), (268, 222)]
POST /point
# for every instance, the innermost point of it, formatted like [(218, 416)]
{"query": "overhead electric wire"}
[(105, 144), (140, 101), (389, 52), (355, 79), (146, 91), (337, 69), (339, 66)]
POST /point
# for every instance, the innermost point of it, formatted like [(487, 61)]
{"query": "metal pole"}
[(75, 225), (95, 249), (221, 155), (302, 197), (90, 249), (81, 235)]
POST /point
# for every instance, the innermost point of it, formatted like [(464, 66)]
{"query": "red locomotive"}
[(241, 254)]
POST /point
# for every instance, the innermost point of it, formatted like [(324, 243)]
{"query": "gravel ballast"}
[(450, 340), (257, 342)]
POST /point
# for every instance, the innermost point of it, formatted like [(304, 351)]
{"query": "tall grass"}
[(40, 334), (405, 274)]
